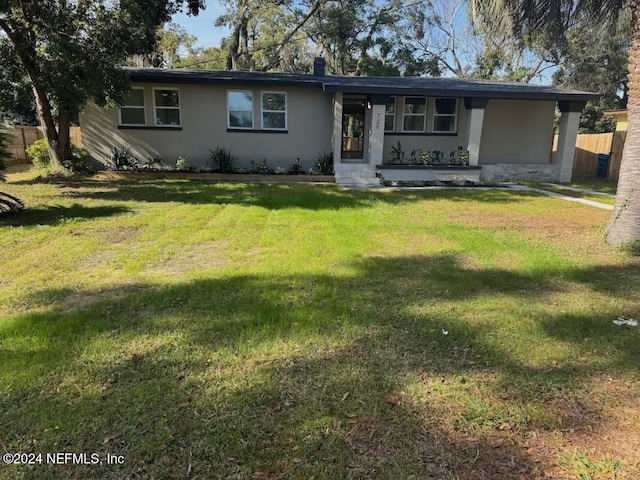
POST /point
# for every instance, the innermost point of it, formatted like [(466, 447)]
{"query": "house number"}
[(377, 121)]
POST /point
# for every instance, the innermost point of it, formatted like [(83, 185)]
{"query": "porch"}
[(369, 129)]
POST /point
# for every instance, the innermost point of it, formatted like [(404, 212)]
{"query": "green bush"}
[(324, 163), (221, 160), (122, 159), (182, 164), (295, 168), (38, 152), (78, 161)]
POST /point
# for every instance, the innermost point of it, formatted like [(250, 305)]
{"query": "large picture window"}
[(167, 107), (132, 111), (274, 110), (240, 109), (414, 114), (445, 115), (390, 115)]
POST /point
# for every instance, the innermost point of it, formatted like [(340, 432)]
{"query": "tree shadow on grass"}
[(56, 214), (304, 375)]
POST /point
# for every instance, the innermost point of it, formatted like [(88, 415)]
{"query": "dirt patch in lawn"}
[(592, 444), (576, 229)]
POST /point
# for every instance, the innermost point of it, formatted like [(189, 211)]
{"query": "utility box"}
[(603, 165)]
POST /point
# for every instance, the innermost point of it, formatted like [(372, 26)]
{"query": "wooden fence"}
[(23, 137), (588, 146)]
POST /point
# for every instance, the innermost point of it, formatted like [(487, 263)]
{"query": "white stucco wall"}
[(203, 113), (517, 131)]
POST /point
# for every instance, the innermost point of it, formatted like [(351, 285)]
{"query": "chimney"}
[(318, 66)]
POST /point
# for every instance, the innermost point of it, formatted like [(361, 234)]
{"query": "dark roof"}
[(454, 87)]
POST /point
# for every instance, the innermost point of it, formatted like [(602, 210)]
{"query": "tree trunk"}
[(49, 130), (64, 138), (624, 226)]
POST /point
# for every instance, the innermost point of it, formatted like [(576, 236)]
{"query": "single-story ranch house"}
[(505, 129)]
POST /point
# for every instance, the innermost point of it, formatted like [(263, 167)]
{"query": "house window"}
[(240, 109), (132, 110), (167, 107), (444, 115), (390, 115), (274, 110), (414, 114)]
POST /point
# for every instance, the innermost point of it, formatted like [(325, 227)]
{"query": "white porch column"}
[(475, 121), (376, 132), (567, 135), (337, 128)]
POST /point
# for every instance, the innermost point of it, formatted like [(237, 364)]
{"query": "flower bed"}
[(429, 173), (212, 177)]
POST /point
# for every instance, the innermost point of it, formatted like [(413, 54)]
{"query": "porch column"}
[(337, 128), (567, 135), (475, 120), (376, 132)]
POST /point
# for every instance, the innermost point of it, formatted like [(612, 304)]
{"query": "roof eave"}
[(462, 93)]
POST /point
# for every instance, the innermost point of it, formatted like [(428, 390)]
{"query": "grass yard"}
[(589, 182), (572, 193), (209, 331)]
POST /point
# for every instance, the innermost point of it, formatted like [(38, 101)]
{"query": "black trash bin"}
[(603, 165)]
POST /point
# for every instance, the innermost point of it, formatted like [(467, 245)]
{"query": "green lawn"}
[(572, 193), (589, 182), (265, 332)]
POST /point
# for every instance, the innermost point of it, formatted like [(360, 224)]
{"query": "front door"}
[(353, 111)]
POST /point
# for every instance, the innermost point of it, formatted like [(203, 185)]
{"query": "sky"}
[(203, 26)]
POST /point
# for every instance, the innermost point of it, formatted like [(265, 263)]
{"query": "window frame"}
[(253, 122), (143, 108), (392, 115), (156, 107), (423, 115), (285, 111), (454, 115)]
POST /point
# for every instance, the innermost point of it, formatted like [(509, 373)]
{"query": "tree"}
[(212, 58), (552, 23), (70, 52), (173, 43), (596, 60), (363, 37), (16, 98), (259, 39)]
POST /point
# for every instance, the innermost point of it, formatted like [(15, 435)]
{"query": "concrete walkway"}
[(580, 190), (568, 198)]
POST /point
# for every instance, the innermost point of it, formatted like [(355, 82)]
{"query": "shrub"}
[(221, 160), (38, 152), (261, 167), (397, 154), (122, 159), (78, 161), (182, 163), (151, 161), (324, 163), (295, 168)]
